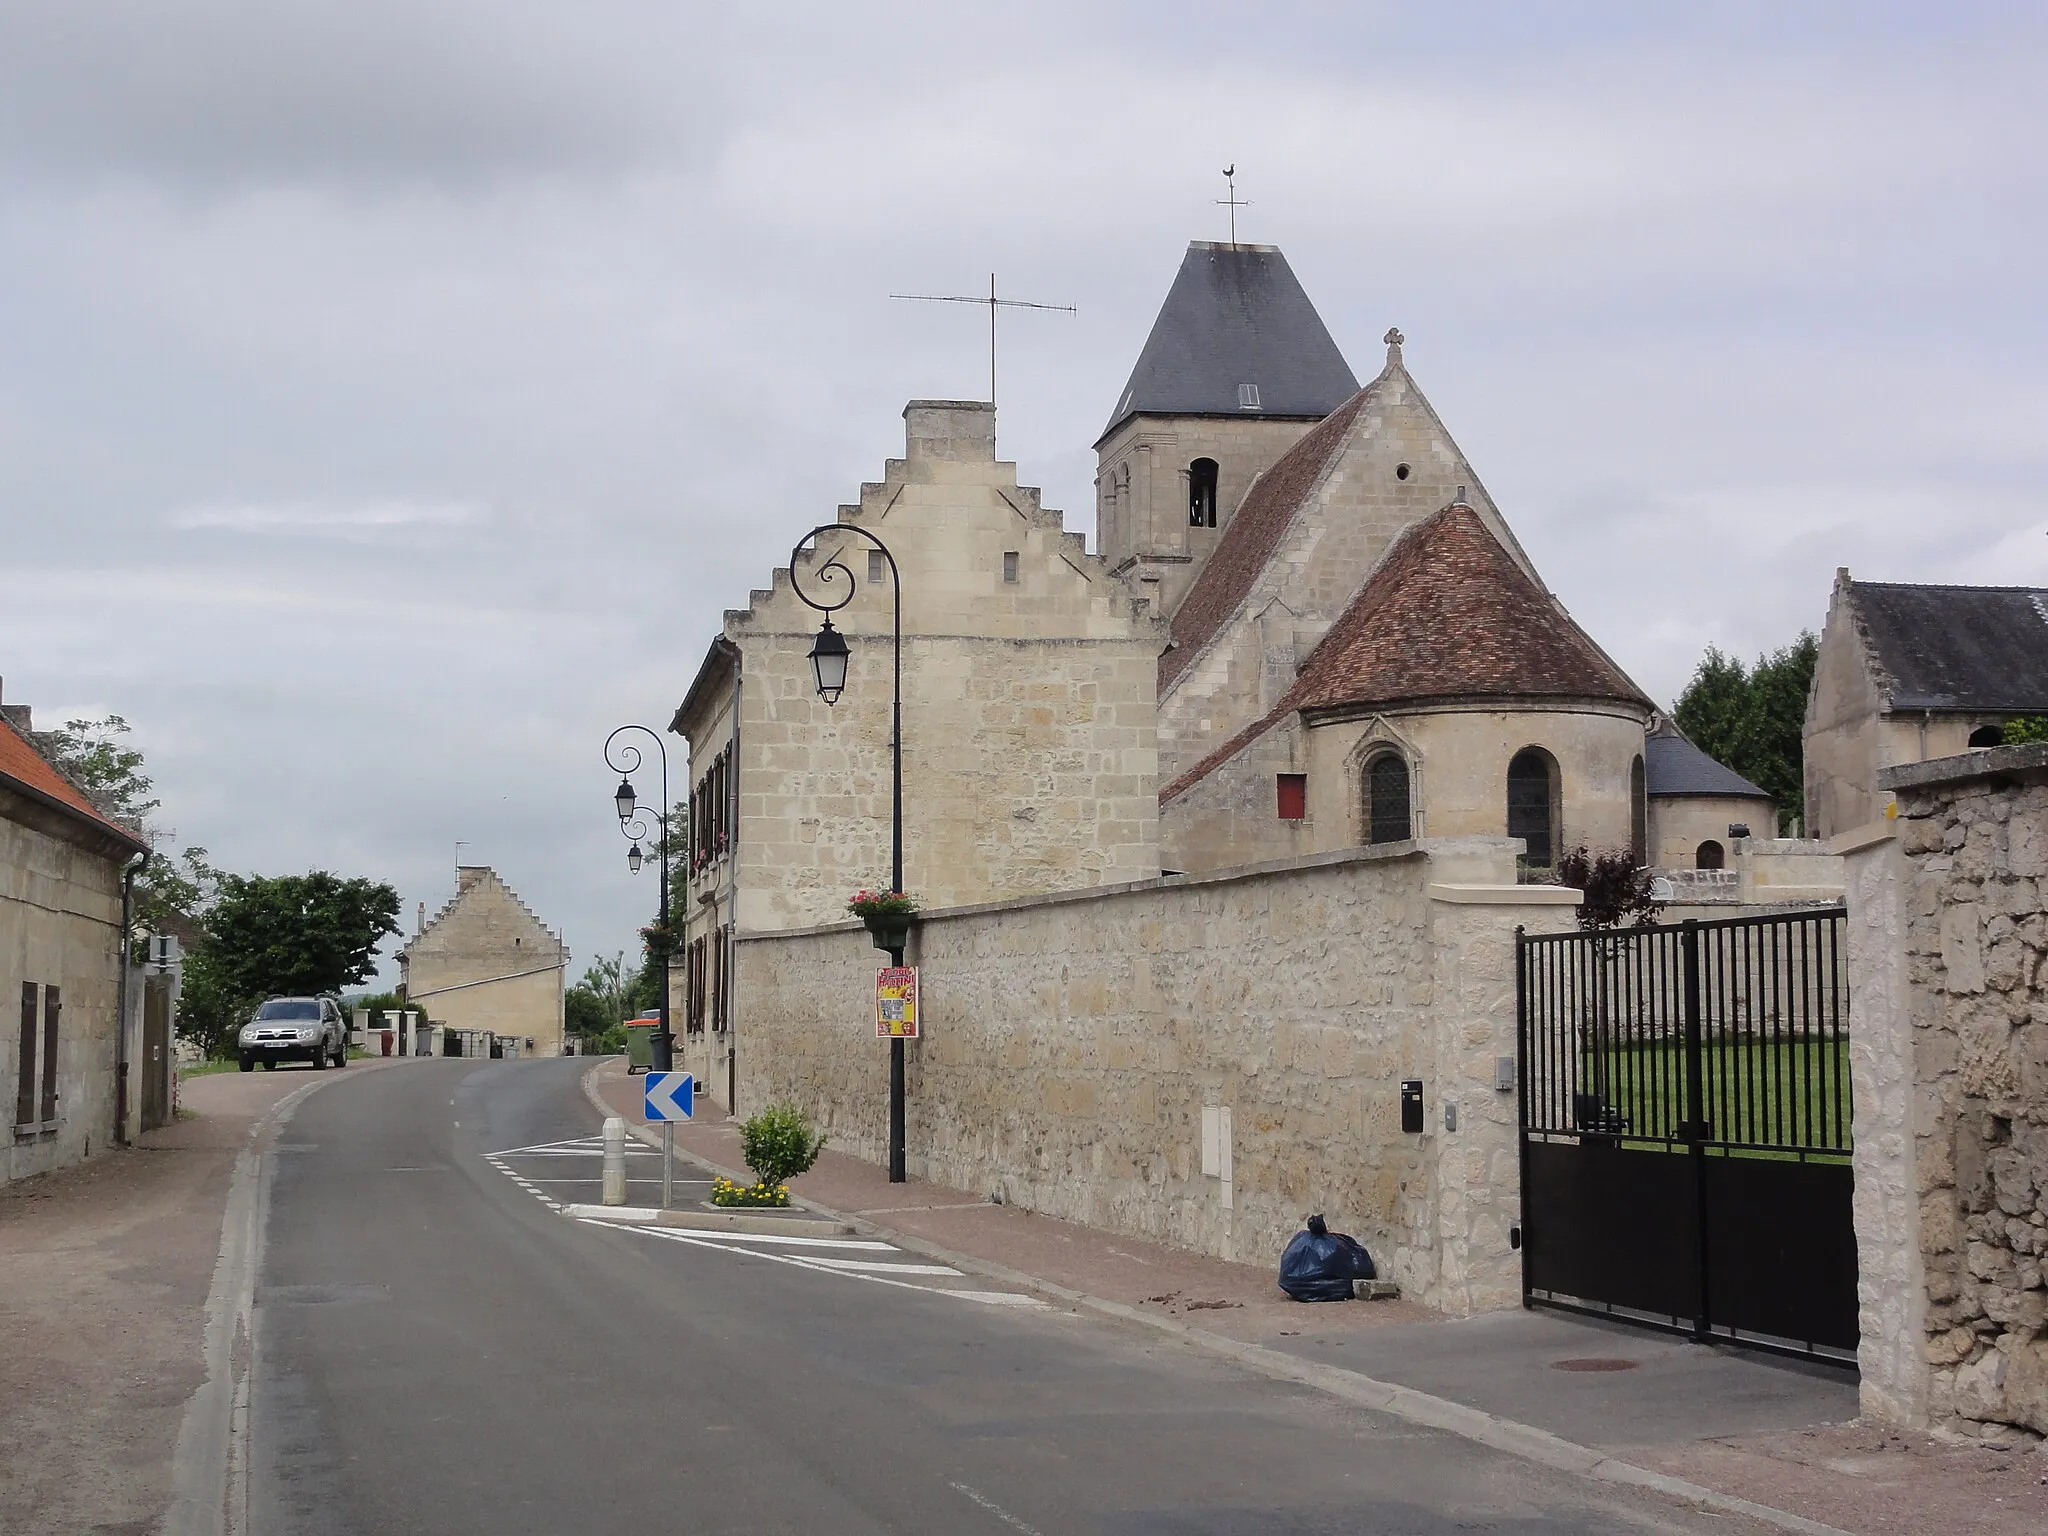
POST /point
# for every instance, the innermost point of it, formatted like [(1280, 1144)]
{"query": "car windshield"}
[(288, 1008)]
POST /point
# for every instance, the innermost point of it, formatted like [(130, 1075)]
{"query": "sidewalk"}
[(104, 1273), (1775, 1432)]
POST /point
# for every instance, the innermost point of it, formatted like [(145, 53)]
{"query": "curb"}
[(1508, 1436)]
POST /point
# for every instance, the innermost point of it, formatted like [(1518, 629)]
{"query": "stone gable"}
[(486, 961)]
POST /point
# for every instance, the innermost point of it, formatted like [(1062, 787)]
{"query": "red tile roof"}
[(1261, 521), (22, 766), (1448, 614)]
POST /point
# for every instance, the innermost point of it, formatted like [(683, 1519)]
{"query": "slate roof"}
[(1961, 648), (1253, 533), (23, 768), (1235, 315), (1449, 614), (1674, 766)]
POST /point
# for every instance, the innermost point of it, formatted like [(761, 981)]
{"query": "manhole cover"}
[(1595, 1364)]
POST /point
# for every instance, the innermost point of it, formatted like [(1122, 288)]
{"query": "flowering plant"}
[(866, 903), (725, 1192), (661, 942)]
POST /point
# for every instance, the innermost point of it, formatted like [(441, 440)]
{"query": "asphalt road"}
[(440, 1350)]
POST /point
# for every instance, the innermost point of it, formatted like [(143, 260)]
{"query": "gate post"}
[(1695, 1119), (1522, 1100)]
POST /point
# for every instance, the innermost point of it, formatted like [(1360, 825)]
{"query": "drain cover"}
[(1594, 1364)]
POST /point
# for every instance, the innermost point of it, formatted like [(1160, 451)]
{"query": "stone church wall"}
[(1072, 1042), (1949, 1060)]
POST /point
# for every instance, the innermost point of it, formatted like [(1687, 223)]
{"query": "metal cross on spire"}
[(993, 304), (1230, 199)]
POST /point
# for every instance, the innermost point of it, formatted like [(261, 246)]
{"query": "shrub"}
[(1616, 889), (779, 1144), (2025, 729)]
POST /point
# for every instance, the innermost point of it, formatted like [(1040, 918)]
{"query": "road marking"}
[(801, 1242), (874, 1266), (997, 1510)]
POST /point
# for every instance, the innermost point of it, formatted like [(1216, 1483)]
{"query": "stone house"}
[(1908, 673), (1699, 807), (64, 874), (487, 963), (1028, 756)]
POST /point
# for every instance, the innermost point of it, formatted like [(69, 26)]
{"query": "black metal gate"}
[(1685, 1128)]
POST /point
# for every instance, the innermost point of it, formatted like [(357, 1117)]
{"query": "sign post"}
[(896, 1003), (671, 1096)]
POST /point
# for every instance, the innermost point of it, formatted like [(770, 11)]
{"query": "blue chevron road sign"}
[(670, 1096)]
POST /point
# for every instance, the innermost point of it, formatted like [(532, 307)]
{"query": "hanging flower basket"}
[(661, 942), (888, 915)]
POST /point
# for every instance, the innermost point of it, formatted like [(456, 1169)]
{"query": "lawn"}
[(1782, 1093)]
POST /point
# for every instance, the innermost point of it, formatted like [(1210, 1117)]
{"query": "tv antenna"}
[(1230, 199), (994, 303), (458, 857)]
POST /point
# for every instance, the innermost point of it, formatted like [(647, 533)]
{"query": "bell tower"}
[(1237, 368)]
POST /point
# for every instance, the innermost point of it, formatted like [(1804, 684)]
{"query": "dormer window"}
[(1247, 397)]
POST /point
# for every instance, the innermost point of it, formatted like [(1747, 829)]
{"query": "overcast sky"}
[(393, 393)]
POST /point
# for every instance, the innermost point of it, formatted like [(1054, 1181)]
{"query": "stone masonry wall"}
[(1072, 1043), (1955, 995)]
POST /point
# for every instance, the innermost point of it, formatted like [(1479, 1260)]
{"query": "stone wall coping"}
[(1983, 763), (1380, 853), (1506, 895), (1869, 835)]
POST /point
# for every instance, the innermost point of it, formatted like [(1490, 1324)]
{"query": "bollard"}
[(614, 1161)]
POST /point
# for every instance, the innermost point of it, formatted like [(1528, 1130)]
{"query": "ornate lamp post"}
[(829, 656), (633, 825)]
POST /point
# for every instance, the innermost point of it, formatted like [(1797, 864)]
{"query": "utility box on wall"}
[(1411, 1106)]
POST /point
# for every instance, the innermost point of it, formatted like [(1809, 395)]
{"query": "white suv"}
[(295, 1029)]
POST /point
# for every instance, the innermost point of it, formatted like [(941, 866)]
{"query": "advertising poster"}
[(896, 1003)]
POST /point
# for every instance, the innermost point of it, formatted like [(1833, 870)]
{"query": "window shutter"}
[(25, 1089), (1293, 794), (51, 1009)]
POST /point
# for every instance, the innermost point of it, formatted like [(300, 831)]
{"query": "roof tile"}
[(25, 766)]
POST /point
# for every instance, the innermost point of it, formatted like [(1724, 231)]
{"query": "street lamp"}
[(633, 824), (829, 657)]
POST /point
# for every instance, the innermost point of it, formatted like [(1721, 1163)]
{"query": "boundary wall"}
[(1200, 1060)]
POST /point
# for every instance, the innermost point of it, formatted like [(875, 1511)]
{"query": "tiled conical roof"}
[(1235, 316), (1449, 614)]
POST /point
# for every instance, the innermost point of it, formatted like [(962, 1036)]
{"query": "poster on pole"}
[(896, 1003)]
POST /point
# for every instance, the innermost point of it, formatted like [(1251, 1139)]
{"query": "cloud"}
[(330, 522)]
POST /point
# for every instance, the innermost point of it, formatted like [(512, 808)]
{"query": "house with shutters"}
[(63, 869)]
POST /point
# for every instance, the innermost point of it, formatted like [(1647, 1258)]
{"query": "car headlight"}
[(309, 1034), (248, 1030)]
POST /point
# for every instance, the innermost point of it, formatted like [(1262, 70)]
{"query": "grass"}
[(208, 1068), (1771, 1093)]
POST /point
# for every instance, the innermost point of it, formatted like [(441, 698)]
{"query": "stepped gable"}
[(479, 873), (1235, 315), (1253, 533), (1449, 614), (23, 767)]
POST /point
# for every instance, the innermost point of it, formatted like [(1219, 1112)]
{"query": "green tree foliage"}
[(2025, 729), (779, 1144), (173, 890), (282, 934), (596, 1006), (1754, 718)]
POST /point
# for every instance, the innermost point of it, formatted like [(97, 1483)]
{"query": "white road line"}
[(802, 1262), (998, 1511), (876, 1266), (797, 1242)]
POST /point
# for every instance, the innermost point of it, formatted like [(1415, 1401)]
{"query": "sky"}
[(394, 393)]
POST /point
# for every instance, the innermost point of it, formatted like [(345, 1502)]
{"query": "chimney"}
[(963, 431), (467, 875), (420, 923), (16, 715)]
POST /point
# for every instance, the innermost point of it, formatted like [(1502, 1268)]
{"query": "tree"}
[(596, 1005), (283, 934), (1754, 719), (172, 891)]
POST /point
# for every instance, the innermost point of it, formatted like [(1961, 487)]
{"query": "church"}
[(1304, 627)]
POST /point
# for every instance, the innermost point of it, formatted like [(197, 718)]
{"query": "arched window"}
[(1388, 818), (1710, 855), (1532, 805), (1638, 815), (1202, 494), (1987, 736)]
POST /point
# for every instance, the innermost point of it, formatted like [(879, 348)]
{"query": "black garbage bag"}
[(1319, 1265)]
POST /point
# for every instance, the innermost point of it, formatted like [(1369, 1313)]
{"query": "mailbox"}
[(1411, 1106)]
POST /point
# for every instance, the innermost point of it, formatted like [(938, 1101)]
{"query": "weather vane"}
[(1230, 199)]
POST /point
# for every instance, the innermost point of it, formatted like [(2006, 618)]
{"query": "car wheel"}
[(341, 1055), (319, 1057), (248, 1063)]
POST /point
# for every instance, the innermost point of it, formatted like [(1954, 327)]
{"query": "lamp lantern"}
[(828, 663)]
